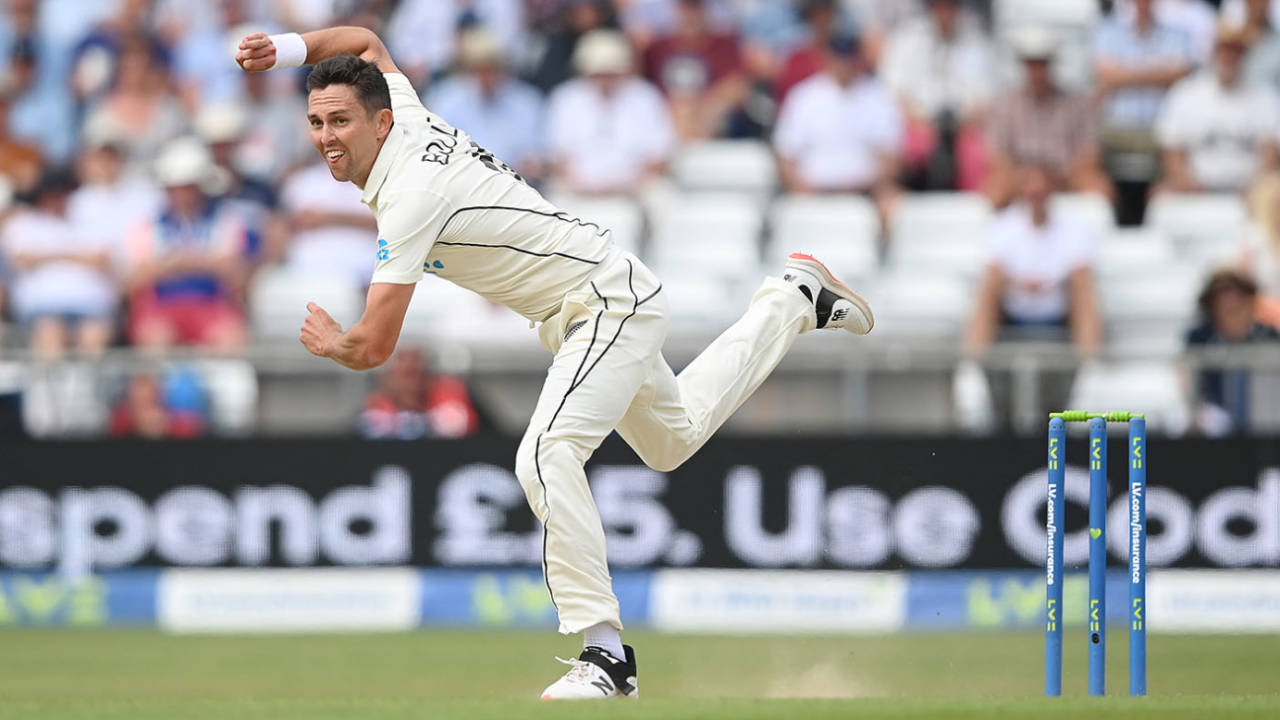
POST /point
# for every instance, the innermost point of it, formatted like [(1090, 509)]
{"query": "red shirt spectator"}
[(700, 71), (411, 403), (822, 17)]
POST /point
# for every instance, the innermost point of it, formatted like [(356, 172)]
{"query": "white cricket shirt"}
[(446, 206)]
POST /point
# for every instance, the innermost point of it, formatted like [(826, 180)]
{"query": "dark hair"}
[(1225, 279), (364, 77)]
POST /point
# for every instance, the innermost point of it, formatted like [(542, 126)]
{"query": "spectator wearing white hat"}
[(608, 131), (63, 292), (1216, 130), (1041, 124), (222, 127), (501, 113), (186, 265)]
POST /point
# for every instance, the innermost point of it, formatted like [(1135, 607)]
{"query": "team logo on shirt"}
[(383, 252), (430, 267)]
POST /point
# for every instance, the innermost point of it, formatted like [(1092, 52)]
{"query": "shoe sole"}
[(813, 265)]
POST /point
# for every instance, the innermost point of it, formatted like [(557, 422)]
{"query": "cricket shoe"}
[(836, 305), (596, 675)]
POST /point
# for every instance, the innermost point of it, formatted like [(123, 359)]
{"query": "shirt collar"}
[(382, 164)]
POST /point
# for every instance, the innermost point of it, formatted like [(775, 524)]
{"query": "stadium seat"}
[(278, 301), (233, 395), (621, 215), (1134, 253), (1205, 229), (915, 304), (1088, 208), (1150, 312), (1151, 387), (736, 165), (436, 305), (717, 234), (698, 306), (841, 231), (940, 232)]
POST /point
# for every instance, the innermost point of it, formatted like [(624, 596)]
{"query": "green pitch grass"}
[(70, 675)]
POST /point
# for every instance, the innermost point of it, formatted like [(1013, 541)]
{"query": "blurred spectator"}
[(823, 21), (554, 64), (1217, 132), (422, 34), (608, 131), (1039, 273), (769, 33), (1262, 61), (1041, 124), (304, 15), (108, 204), (646, 20), (1223, 396), (498, 111), (1136, 60), (203, 72), (411, 403), (63, 291), (97, 57), (333, 233), (1197, 18), (42, 112), (253, 200), (276, 138), (821, 149), (139, 103), (151, 408), (19, 161), (701, 73), (186, 265), (942, 71)]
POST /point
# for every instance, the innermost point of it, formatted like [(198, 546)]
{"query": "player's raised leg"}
[(604, 345), (673, 416)]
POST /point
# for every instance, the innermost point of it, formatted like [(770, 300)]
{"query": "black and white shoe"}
[(836, 305), (596, 675)]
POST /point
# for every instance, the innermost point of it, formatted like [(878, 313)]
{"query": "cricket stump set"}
[(1136, 573)]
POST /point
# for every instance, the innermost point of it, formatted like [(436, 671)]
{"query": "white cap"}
[(102, 130), (1033, 42), (187, 161), (479, 46), (602, 52), (221, 122)]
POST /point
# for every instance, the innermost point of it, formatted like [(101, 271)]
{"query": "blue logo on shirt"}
[(383, 252), (431, 267)]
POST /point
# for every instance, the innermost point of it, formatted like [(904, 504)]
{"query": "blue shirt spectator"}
[(1137, 59), (499, 112)]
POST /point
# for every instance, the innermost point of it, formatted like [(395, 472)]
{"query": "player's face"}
[(347, 135)]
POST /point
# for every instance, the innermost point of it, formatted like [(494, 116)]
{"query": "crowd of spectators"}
[(151, 179)]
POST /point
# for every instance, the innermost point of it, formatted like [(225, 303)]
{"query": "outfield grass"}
[(480, 675)]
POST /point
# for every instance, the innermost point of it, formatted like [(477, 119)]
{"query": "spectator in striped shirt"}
[(1041, 124)]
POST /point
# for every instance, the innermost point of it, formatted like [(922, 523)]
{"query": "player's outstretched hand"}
[(319, 331), (256, 52)]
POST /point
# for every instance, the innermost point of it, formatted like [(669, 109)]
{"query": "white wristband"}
[(291, 50)]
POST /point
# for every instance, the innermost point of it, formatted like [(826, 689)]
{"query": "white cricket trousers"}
[(608, 373)]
